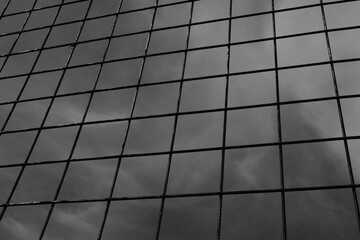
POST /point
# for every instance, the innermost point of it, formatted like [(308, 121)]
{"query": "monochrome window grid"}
[(179, 119)]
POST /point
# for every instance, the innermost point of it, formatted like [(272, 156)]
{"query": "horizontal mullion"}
[(185, 195), (172, 114), (184, 151), (42, 8), (182, 25), (97, 17)]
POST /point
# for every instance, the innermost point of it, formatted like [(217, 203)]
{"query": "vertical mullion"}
[(341, 116), (281, 158), (18, 35), (18, 98), (162, 206), (108, 202), (226, 104), (50, 105), (5, 8), (85, 113)]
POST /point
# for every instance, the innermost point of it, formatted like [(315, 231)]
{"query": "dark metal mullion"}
[(43, 8), (7, 56), (82, 121), (170, 114), (14, 105), (176, 118), (226, 105), (49, 108), (192, 150), (185, 195), (103, 16), (341, 116), (112, 190), (171, 27), (278, 111), (198, 49), (4, 9)]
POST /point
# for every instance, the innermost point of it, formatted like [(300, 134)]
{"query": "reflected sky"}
[(70, 110)]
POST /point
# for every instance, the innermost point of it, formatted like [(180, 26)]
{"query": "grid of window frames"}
[(179, 119)]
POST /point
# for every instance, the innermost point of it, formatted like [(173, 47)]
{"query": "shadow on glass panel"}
[(189, 218), (137, 4), (54, 144), (252, 56), (195, 172), (111, 104), (38, 183), (244, 7), (127, 47), (23, 222), (199, 131), (252, 169), (342, 44), (12, 23), (252, 216), (89, 53), (211, 9), (117, 74), (206, 62), (251, 126), (7, 179), (19, 64), (172, 15), (30, 40), (336, 18), (19, 6), (355, 158), (41, 85), (75, 221), (203, 94), (104, 7), (6, 42), (310, 120), (45, 3), (79, 79), (175, 40), (302, 50), (100, 139), (88, 179), (41, 18), (133, 22), (149, 135), (63, 34), (326, 214), (251, 28), (252, 89), (163, 68), (347, 77), (67, 110), (141, 176), (351, 114), (72, 12), (209, 34), (33, 112), (315, 164), (134, 219), (292, 22), (10, 88), (305, 83), (53, 58), (14, 147), (158, 99), (98, 28)]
